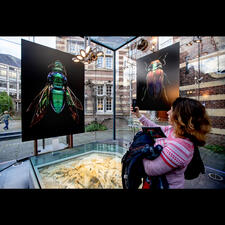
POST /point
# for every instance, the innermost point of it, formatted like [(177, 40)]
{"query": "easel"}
[(69, 139)]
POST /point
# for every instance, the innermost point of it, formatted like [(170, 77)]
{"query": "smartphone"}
[(134, 101)]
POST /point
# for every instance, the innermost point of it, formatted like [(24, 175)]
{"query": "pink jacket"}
[(173, 160)]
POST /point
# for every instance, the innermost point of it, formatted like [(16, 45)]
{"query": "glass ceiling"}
[(112, 42)]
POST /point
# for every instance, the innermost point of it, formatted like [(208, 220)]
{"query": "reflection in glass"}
[(214, 64)]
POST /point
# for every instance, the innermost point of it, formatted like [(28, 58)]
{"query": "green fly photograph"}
[(52, 93)]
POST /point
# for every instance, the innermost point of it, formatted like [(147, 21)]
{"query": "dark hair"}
[(190, 120)]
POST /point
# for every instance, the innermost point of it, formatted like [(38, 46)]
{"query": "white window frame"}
[(108, 62), (99, 63), (98, 103), (102, 90), (111, 90), (104, 96), (108, 110)]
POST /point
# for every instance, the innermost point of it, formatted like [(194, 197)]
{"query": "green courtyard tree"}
[(6, 102)]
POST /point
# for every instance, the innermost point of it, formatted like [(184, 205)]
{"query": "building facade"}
[(202, 76), (10, 78), (98, 103)]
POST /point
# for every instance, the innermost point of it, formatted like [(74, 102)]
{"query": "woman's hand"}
[(137, 112)]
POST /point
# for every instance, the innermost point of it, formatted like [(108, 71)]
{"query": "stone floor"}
[(17, 177), (14, 158)]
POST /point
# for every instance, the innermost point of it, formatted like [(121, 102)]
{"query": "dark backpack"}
[(195, 167), (132, 166)]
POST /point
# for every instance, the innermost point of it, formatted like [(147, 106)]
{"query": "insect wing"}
[(37, 98), (41, 106), (75, 101)]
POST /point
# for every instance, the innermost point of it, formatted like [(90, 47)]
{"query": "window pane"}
[(3, 66), (2, 73), (100, 104), (12, 85), (99, 62), (74, 46), (109, 62), (108, 104), (12, 75), (3, 84), (100, 90), (108, 90)]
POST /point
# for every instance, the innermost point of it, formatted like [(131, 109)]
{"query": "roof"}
[(10, 60), (112, 42)]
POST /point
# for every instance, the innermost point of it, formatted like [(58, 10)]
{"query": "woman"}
[(189, 124)]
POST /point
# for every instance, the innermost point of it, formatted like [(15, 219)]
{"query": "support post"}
[(70, 141), (114, 95), (35, 147), (199, 52)]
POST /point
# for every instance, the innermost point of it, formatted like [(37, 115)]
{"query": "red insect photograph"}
[(158, 79)]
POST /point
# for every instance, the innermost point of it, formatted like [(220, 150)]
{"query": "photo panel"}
[(52, 92), (158, 79)]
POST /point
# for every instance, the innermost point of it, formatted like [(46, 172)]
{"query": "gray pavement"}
[(16, 175)]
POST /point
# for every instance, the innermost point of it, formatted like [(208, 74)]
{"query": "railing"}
[(10, 135)]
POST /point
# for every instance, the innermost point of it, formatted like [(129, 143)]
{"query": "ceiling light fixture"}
[(196, 39), (87, 55), (142, 44)]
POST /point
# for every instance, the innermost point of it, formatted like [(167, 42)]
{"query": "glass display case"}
[(88, 166)]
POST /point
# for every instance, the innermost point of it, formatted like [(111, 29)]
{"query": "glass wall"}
[(202, 67), (10, 82)]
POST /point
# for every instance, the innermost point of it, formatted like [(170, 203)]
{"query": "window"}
[(12, 85), (100, 104), (11, 68), (99, 62), (104, 98), (12, 75), (100, 90), (109, 90), (2, 72), (108, 52), (99, 48), (74, 46), (3, 66), (132, 51), (3, 84), (108, 104), (109, 62)]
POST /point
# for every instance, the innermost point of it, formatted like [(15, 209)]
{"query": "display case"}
[(88, 166)]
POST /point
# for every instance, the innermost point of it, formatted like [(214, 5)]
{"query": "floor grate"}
[(215, 176)]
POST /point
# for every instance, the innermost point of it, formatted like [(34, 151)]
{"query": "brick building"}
[(205, 79), (98, 101), (202, 76)]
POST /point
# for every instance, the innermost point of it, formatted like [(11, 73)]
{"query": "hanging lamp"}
[(87, 55)]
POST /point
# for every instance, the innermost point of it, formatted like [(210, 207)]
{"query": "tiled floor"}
[(17, 177)]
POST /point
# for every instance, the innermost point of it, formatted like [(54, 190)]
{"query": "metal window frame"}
[(114, 76)]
